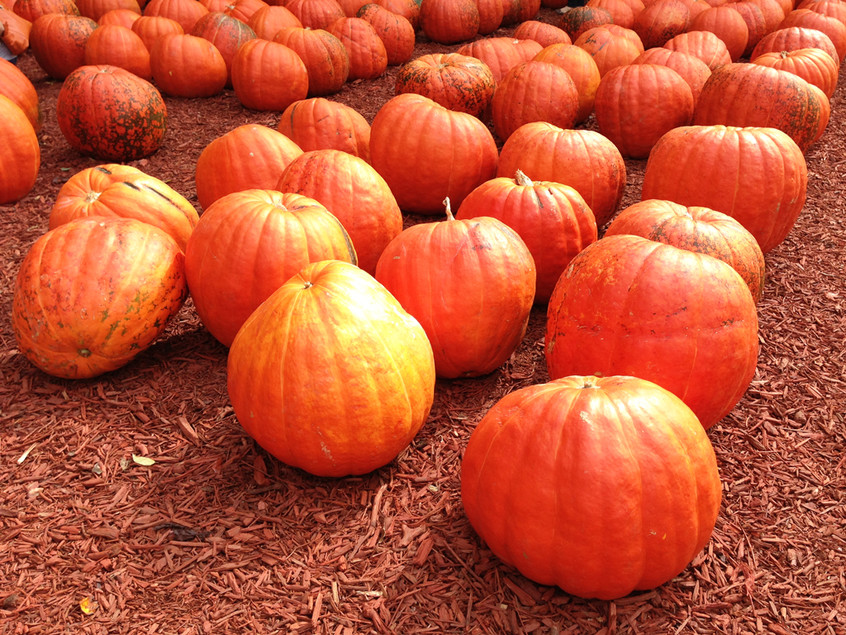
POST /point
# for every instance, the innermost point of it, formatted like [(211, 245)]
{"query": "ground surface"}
[(218, 537)]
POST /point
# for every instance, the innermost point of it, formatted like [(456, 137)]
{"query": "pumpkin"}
[(441, 153), (692, 69), (832, 27), (186, 12), (773, 13), (249, 156), (702, 44), (267, 21), (741, 94), (470, 283), (318, 123), (661, 20), (455, 81), (354, 192), (756, 25), (95, 9), (93, 293), (552, 219), (21, 158), (365, 49), (793, 38), (151, 27), (351, 7), (127, 192), (728, 25), (622, 12), (409, 9), (185, 65), (449, 21), (579, 19), (500, 54), (720, 167), (699, 229), (581, 68), (608, 48), (813, 65), (491, 13), (628, 113), (15, 85), (119, 17), (599, 485), (243, 9), (324, 55), (109, 113), (627, 305), (247, 244), (394, 30), (268, 76), (57, 42), (534, 91), (33, 9), (517, 11), (543, 33), (583, 159), (831, 8), (226, 33), (16, 31), (118, 46), (315, 14), (330, 374)]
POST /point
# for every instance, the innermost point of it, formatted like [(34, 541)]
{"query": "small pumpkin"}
[(500, 54), (186, 12), (609, 48), (118, 46), (268, 76), (268, 20), (226, 33), (151, 27), (109, 113), (702, 44), (324, 55), (599, 485), (94, 292), (543, 33), (330, 374), (317, 123), (365, 49), (394, 30), (315, 14)]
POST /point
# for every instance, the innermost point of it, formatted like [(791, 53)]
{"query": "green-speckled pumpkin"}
[(108, 113)]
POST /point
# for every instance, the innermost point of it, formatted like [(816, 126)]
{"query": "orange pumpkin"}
[(449, 21), (702, 44), (793, 38), (728, 25), (365, 49), (470, 283), (21, 158), (330, 374), (394, 30), (15, 85), (811, 64), (315, 14), (185, 65), (95, 9), (226, 33), (543, 33), (661, 20), (115, 190), (186, 12), (248, 244), (267, 21), (118, 46), (318, 123), (57, 42), (608, 48), (692, 69), (93, 293), (500, 54), (323, 54), (581, 68), (151, 27), (268, 76)]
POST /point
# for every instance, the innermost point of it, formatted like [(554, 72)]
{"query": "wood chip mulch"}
[(218, 537)]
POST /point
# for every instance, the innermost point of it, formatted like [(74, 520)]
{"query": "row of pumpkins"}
[(338, 321)]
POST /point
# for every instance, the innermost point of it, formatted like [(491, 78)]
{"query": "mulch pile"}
[(218, 537)]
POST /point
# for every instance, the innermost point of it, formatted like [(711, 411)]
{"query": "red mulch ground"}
[(218, 537)]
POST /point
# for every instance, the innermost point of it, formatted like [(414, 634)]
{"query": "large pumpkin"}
[(601, 486), (330, 374), (57, 42), (552, 219), (125, 191), (15, 85), (583, 159), (109, 113), (721, 166), (354, 192), (470, 283), (21, 157), (698, 229), (427, 153), (93, 293), (627, 305), (248, 244), (318, 123)]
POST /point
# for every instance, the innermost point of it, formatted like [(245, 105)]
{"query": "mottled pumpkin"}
[(109, 113), (330, 374), (455, 81), (699, 229), (552, 219), (470, 283), (354, 192), (579, 19), (441, 153), (394, 30), (93, 293), (127, 192), (720, 167), (811, 64), (33, 9), (608, 48), (543, 33), (57, 42), (599, 485), (247, 244), (226, 33), (627, 305)]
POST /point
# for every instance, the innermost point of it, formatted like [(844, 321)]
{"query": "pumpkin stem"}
[(308, 284), (522, 179), (448, 209)]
